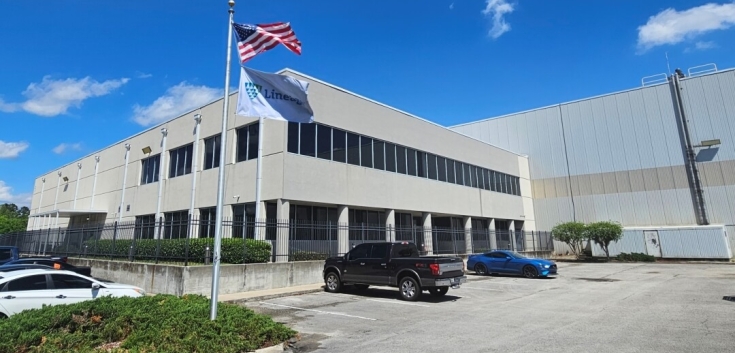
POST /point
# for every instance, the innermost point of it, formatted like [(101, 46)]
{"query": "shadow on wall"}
[(707, 154)]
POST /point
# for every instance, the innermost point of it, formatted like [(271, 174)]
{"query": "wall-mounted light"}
[(147, 149), (65, 179), (709, 143)]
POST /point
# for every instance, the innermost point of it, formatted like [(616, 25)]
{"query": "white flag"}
[(273, 96)]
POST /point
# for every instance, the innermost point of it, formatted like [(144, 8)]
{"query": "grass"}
[(161, 323)]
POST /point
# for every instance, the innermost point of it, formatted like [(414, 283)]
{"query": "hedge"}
[(234, 250), (636, 257), (308, 256)]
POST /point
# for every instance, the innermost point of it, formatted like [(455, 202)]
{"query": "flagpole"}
[(221, 175), (258, 180)]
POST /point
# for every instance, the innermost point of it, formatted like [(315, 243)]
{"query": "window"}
[(401, 159), (411, 161), (498, 255), (480, 178), (293, 138), (431, 166), (486, 179), (324, 142), (467, 175), (253, 141), (493, 185), (353, 148), (473, 176), (180, 161), (366, 152), (145, 226), (176, 225), (243, 221), (362, 251), (70, 282), (421, 164), (212, 152), (379, 251), (401, 250), (503, 183), (378, 154), (149, 169), (450, 171), (339, 150), (207, 221), (390, 157), (6, 254), (307, 140), (37, 282), (247, 148), (441, 166), (518, 186)]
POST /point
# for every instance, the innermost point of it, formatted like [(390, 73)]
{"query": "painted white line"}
[(319, 311), (508, 283), (397, 302), (488, 289)]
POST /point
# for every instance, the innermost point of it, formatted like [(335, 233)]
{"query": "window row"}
[(321, 141), (181, 157)]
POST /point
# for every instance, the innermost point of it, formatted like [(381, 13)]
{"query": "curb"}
[(271, 349), (274, 296)]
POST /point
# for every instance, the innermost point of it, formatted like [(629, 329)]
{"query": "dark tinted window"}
[(421, 164), (473, 176), (441, 167), (253, 141), (353, 148), (242, 142), (366, 152), (338, 146), (212, 152), (36, 282), (324, 142), (180, 161), (486, 179), (498, 255), (6, 254), (390, 157), (70, 282), (149, 169), (411, 161), (293, 138), (467, 175), (207, 222), (307, 140), (458, 173), (362, 251), (379, 251), (378, 154), (401, 159), (431, 166), (404, 250), (450, 171)]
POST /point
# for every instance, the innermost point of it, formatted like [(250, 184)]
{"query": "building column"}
[(493, 237), (390, 225), (512, 230), (343, 230), (260, 224), (428, 245), (283, 210), (468, 235)]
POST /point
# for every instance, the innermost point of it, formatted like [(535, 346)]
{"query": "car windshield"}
[(517, 255)]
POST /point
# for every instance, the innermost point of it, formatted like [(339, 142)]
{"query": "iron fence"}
[(247, 241)]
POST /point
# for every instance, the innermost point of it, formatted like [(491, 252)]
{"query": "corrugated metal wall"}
[(679, 243)]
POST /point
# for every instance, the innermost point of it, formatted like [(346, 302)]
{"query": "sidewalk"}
[(266, 294)]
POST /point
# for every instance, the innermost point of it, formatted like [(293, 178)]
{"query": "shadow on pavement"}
[(380, 293)]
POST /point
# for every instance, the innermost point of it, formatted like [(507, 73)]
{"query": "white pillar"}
[(493, 238), (282, 230), (468, 235), (428, 245), (38, 222), (94, 183), (194, 164), (512, 230), (390, 225), (125, 179), (76, 187), (58, 185), (343, 232), (260, 224)]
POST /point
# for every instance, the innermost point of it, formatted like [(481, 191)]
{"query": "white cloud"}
[(6, 195), (177, 100), (705, 45), (451, 6), (67, 147), (142, 75), (54, 97), (12, 149), (671, 27), (497, 9)]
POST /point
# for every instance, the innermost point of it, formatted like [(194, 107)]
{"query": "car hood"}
[(542, 261)]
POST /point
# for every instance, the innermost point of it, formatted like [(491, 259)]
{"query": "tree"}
[(12, 218), (604, 233), (572, 233)]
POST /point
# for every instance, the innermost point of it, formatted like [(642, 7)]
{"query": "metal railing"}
[(190, 241)]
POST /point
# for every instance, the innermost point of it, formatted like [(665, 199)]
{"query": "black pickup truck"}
[(395, 264)]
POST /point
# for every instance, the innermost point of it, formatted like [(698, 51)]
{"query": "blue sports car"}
[(509, 262)]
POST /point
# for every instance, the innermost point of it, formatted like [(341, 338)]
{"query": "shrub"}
[(572, 233), (233, 251), (636, 257), (161, 323), (308, 256), (604, 233)]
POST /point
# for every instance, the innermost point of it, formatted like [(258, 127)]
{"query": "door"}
[(355, 269), (653, 245), (70, 289), (29, 292), (376, 271), (498, 261)]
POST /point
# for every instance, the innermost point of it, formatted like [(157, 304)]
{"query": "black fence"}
[(191, 241)]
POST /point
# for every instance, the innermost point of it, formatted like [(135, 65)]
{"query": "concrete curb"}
[(271, 349), (273, 296)]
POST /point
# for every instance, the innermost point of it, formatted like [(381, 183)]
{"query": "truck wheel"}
[(409, 289), (332, 283), (438, 291)]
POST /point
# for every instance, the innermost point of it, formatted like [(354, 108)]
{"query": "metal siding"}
[(618, 160), (641, 132), (628, 131), (640, 205), (669, 126), (681, 243)]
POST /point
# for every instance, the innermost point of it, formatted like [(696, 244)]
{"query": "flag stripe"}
[(253, 40)]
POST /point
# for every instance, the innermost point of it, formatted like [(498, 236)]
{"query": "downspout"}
[(691, 161), (76, 188), (40, 202), (125, 178), (194, 160), (161, 164), (58, 185), (94, 183)]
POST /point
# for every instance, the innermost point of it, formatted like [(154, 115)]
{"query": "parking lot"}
[(587, 308)]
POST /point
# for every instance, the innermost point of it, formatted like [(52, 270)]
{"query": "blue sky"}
[(79, 75)]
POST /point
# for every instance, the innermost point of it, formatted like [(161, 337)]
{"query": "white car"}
[(31, 289)]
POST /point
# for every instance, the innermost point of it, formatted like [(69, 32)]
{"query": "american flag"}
[(255, 39)]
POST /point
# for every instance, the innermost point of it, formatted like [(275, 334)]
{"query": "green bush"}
[(308, 256), (161, 323), (572, 233), (636, 257), (604, 233), (234, 250)]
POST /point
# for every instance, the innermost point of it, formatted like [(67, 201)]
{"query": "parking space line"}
[(319, 311), (397, 302)]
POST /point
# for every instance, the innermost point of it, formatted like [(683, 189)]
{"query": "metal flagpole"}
[(221, 181), (259, 177)]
